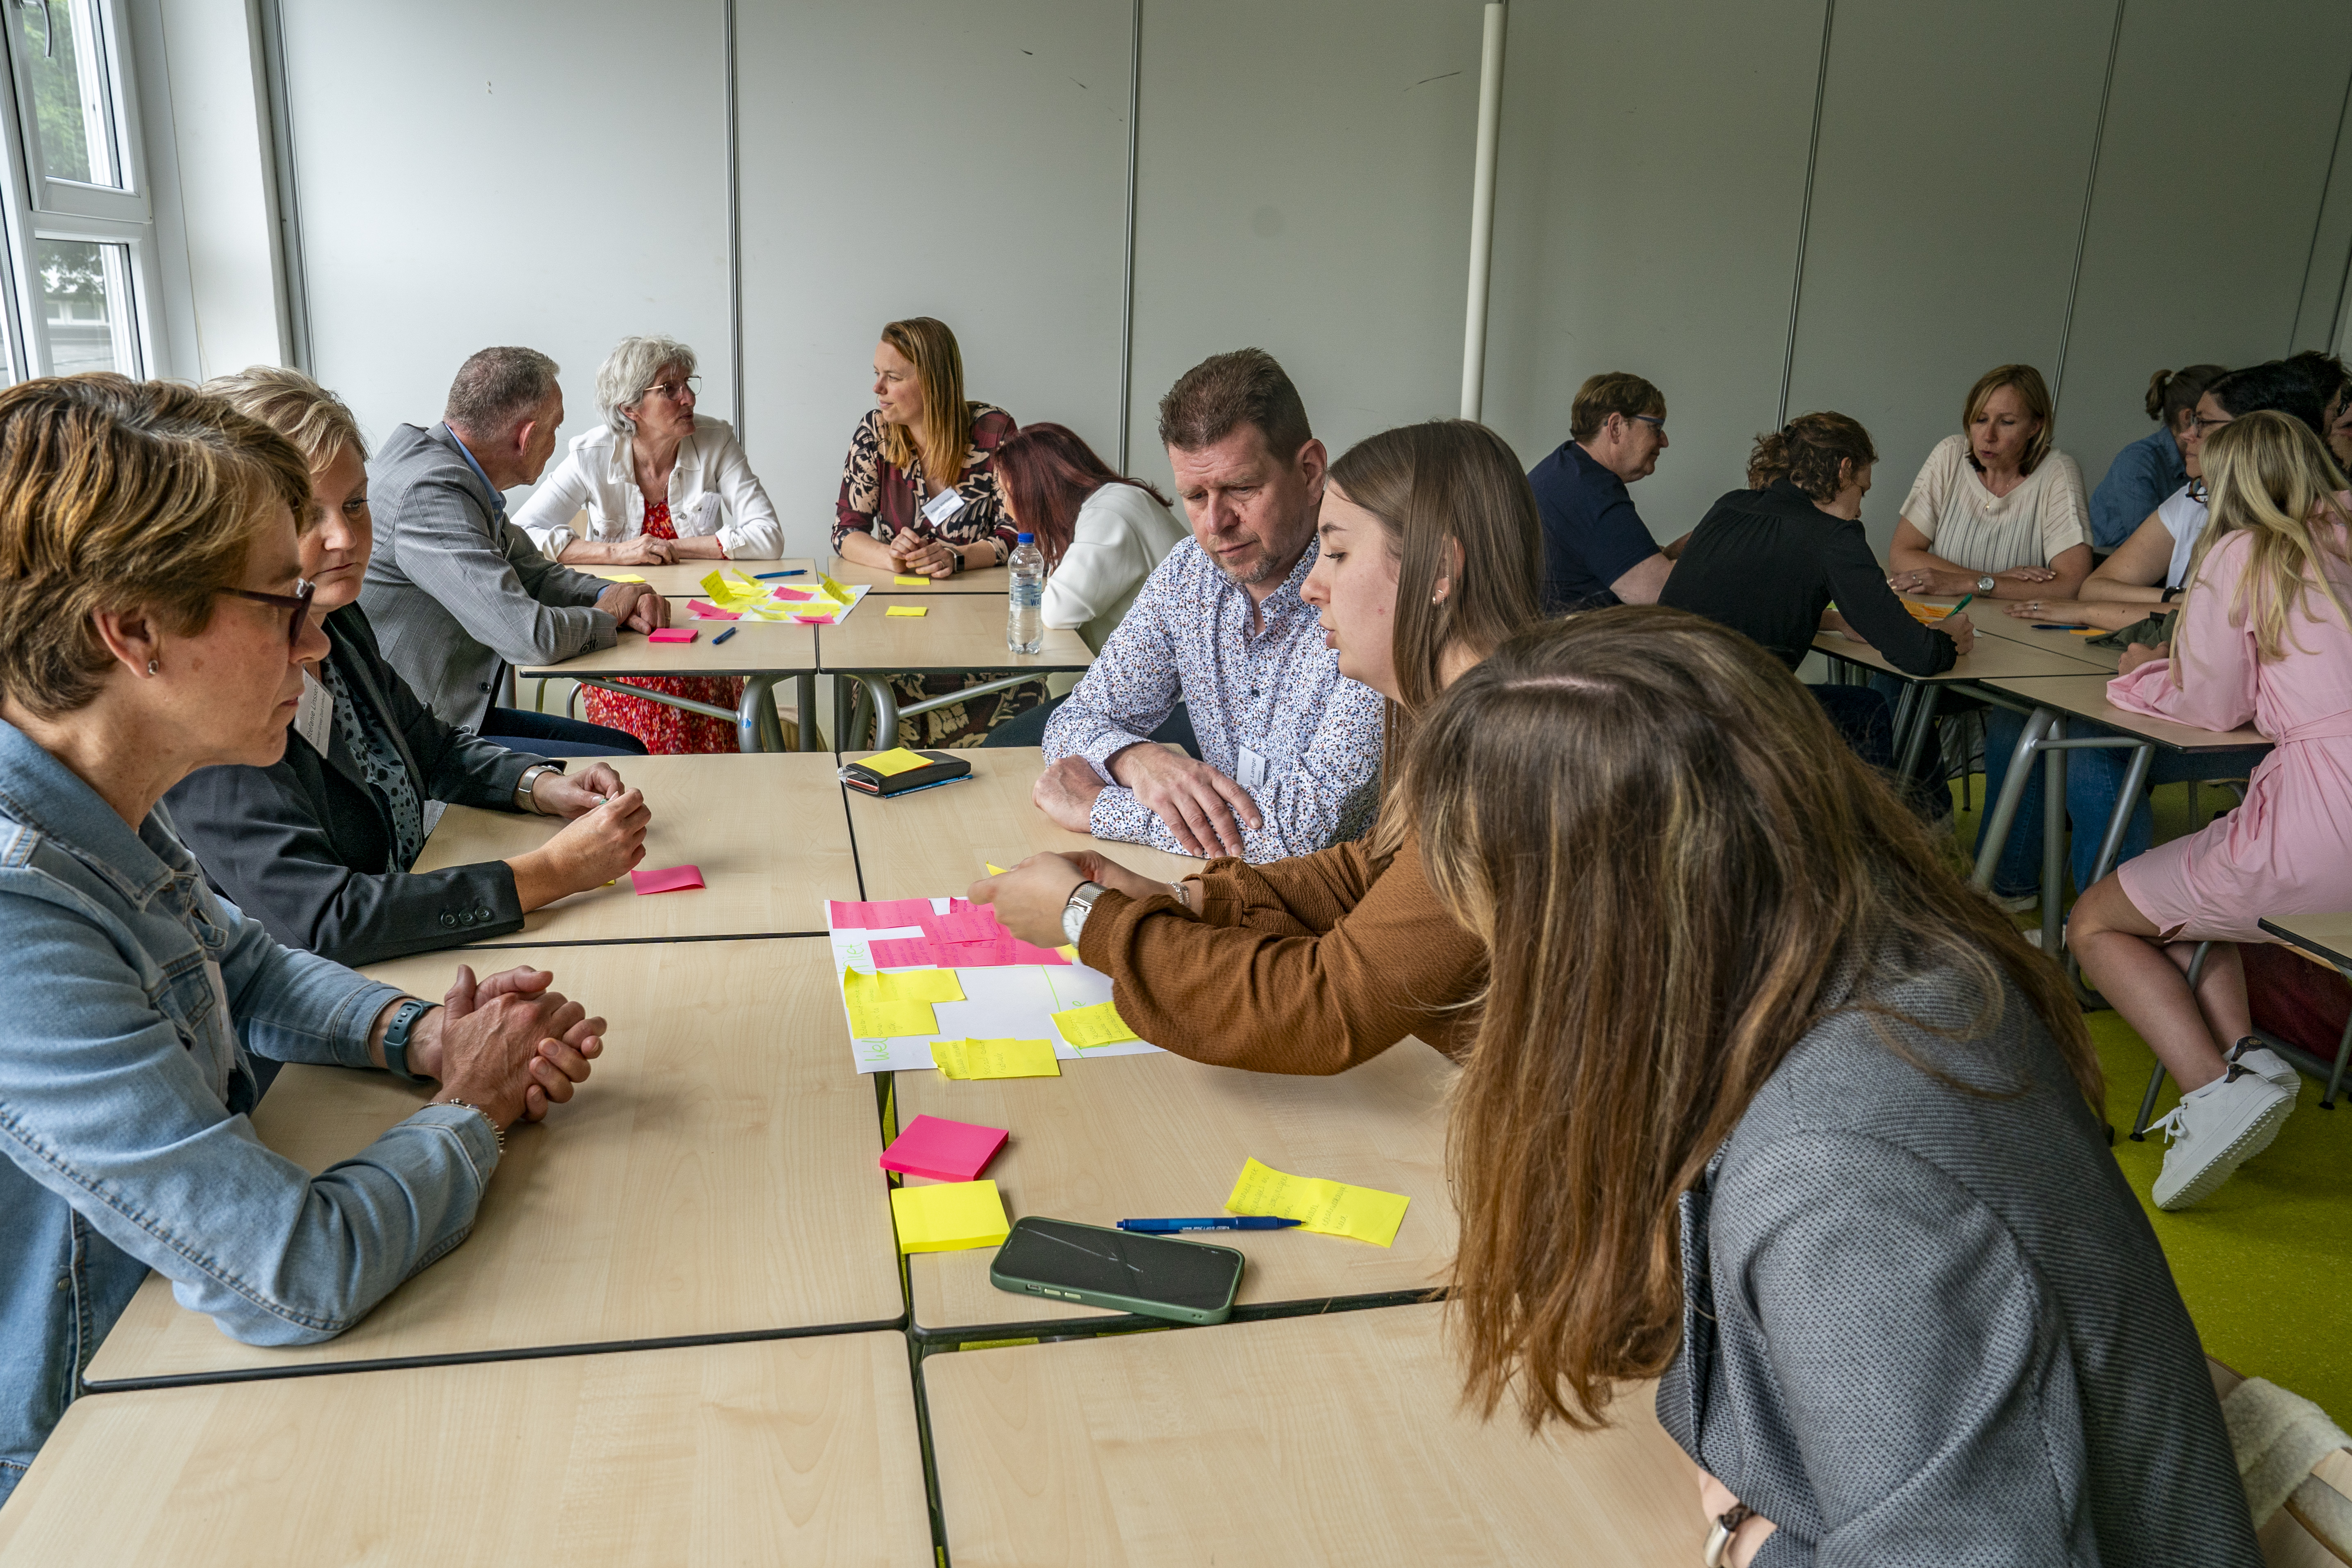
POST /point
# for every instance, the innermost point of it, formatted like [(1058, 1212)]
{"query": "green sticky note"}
[(996, 1058), (921, 985), (1332, 1208), (1099, 1024), (876, 1017), (896, 761), (948, 1217)]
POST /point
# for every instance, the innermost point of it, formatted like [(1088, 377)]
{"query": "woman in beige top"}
[(1996, 510)]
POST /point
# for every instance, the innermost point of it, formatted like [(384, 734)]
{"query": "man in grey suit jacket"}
[(456, 591)]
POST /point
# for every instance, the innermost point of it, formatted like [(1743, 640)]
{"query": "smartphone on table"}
[(1183, 1281)]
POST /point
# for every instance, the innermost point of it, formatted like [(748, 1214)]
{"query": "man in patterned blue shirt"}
[(1288, 743)]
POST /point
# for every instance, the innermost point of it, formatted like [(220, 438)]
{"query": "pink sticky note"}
[(813, 620), (672, 634), (1002, 953), (942, 1150), (970, 925), (889, 915), (703, 611), (670, 881), (906, 953), (794, 595)]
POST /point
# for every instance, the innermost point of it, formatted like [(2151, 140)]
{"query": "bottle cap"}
[(1026, 538)]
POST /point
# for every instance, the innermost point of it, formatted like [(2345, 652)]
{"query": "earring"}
[(152, 664)]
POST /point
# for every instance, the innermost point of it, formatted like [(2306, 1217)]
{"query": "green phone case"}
[(1136, 1304)]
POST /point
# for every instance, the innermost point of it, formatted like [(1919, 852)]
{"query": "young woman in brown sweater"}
[(1432, 552)]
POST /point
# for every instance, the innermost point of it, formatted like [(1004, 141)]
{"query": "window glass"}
[(73, 110), (85, 297)]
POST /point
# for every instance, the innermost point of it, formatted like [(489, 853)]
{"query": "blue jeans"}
[(554, 735)]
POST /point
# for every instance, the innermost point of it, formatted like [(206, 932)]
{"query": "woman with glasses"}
[(154, 620), (317, 846), (660, 483)]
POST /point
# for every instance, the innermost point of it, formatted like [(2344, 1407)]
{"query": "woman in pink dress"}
[(2264, 637)]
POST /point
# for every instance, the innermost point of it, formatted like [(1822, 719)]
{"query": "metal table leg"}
[(2053, 841), (805, 696), (2012, 790), (1923, 723)]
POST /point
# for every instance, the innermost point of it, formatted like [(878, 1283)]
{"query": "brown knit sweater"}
[(1305, 965)]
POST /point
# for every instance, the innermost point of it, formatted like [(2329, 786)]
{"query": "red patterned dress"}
[(667, 731)]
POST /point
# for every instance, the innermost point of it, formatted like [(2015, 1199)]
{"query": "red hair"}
[(1048, 471)]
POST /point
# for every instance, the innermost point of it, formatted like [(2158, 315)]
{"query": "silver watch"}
[(1081, 904), (1987, 584), (528, 782)]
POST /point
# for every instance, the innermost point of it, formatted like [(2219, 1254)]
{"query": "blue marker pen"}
[(1214, 1222), (771, 576), (722, 636)]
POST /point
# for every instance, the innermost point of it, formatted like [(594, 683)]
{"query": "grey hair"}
[(497, 388), (629, 369)]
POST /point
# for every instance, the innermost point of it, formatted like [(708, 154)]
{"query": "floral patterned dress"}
[(667, 731)]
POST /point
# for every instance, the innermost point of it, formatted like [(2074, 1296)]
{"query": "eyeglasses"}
[(688, 386), (2200, 424), (1655, 421), (297, 604)]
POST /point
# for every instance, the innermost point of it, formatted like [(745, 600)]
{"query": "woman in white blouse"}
[(1102, 533), (660, 483), (1996, 510)]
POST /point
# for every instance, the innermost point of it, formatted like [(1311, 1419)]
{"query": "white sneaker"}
[(2014, 903), (2262, 1062), (2213, 1130)]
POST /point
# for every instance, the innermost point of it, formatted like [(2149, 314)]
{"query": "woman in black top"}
[(1771, 561)]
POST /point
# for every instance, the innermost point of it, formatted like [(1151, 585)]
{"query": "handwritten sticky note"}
[(906, 953), (1099, 1024), (618, 576), (889, 914), (703, 611), (893, 761), (996, 1058), (672, 634), (966, 925), (921, 985), (942, 1150), (835, 591), (1332, 1208), (908, 612), (675, 879), (903, 581), (997, 952), (875, 1016), (950, 1218)]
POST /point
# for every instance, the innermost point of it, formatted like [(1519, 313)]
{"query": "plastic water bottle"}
[(1024, 610)]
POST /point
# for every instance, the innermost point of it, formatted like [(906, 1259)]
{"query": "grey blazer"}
[(1925, 1326), (454, 591)]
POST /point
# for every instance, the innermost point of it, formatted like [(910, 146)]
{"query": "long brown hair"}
[(1047, 471), (1440, 487), (2267, 475), (1678, 870), (946, 432)]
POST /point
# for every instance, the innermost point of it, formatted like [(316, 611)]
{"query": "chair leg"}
[(2336, 1079), (2155, 1078)]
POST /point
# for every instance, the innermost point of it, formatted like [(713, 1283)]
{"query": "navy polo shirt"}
[(1593, 535)]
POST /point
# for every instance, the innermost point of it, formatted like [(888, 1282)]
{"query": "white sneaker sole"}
[(2272, 1068), (2250, 1139)]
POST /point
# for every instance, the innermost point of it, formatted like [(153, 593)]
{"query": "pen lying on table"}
[(1213, 1222)]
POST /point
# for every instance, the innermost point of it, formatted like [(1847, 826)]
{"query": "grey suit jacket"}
[(1927, 1326), (454, 591)]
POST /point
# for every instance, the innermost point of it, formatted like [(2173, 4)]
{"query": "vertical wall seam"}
[(2318, 224), (1126, 265), (734, 223), (1805, 210), (2089, 190), (293, 260)]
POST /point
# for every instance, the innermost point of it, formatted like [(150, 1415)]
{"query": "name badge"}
[(1251, 774), (702, 516), (314, 720), (942, 506)]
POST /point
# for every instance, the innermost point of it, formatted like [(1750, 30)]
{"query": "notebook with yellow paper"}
[(950, 1217), (996, 1058), (1332, 1208)]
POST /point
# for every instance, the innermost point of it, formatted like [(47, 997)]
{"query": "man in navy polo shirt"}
[(1597, 550)]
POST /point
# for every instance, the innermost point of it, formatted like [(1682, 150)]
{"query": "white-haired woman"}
[(660, 483)]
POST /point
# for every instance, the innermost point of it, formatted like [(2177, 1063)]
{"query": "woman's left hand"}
[(2139, 654), (1029, 898), (1714, 1501)]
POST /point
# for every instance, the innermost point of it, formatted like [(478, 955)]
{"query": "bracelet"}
[(1183, 902), (497, 1131), (1719, 1539)]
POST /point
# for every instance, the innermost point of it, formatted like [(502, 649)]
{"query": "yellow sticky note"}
[(905, 581), (1068, 952), (1099, 1024), (996, 1058), (993, 868), (912, 611), (896, 761), (949, 1217), (921, 985), (835, 590), (1332, 1208), (618, 576), (874, 1016), (736, 596)]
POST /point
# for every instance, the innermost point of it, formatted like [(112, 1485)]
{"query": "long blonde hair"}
[(2268, 476), (945, 435)]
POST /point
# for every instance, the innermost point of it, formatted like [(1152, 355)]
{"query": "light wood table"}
[(957, 634), (996, 580), (2085, 695), (1993, 658), (939, 841), (1326, 1439), (792, 1450), (2328, 939), (684, 581), (1992, 620), (762, 652), (1133, 1137), (716, 1177), (767, 831)]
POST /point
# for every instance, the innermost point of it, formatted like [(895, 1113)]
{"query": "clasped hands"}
[(508, 1044), (919, 556)]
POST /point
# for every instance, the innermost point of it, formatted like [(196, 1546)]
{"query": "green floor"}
[(2265, 1264)]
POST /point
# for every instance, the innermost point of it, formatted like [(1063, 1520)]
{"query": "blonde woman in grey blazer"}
[(1767, 1104)]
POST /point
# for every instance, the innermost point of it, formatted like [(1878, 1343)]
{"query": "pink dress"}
[(2287, 849)]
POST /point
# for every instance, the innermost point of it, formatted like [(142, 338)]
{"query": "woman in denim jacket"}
[(152, 621)]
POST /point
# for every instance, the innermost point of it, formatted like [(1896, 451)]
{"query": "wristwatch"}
[(1986, 584), (523, 786), (396, 1036), (1081, 904), (1719, 1539)]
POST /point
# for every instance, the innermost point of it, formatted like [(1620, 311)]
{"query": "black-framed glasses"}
[(689, 386), (1655, 421), (297, 604), (2200, 424)]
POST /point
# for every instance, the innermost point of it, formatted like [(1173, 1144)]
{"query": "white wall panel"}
[(927, 158)]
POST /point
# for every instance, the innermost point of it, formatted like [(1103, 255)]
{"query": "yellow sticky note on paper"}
[(996, 1058), (618, 576), (912, 611), (835, 590), (1099, 1024), (1332, 1208), (921, 985), (896, 761), (1068, 951), (949, 1217), (874, 1016), (736, 596), (906, 582)]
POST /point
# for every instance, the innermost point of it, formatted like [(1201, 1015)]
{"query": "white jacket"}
[(712, 489), (1119, 534)]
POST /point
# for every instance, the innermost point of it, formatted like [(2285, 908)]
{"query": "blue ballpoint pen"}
[(722, 636), (1213, 1222), (771, 576)]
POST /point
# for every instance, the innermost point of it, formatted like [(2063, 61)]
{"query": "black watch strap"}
[(396, 1036)]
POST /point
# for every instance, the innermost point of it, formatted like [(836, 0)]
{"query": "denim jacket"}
[(123, 1100)]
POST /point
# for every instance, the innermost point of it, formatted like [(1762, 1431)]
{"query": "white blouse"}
[(1980, 532), (1120, 535), (712, 489)]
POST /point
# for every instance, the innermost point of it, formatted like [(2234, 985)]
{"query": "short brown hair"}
[(319, 424), (495, 389), (1619, 391), (1225, 392), (2032, 391), (117, 494), (1808, 452)]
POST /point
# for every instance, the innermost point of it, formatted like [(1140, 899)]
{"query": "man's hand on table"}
[(507, 1043), (1204, 810), (634, 606), (1066, 793), (1029, 898)]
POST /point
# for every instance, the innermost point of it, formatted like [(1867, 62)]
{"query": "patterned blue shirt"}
[(1276, 691)]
